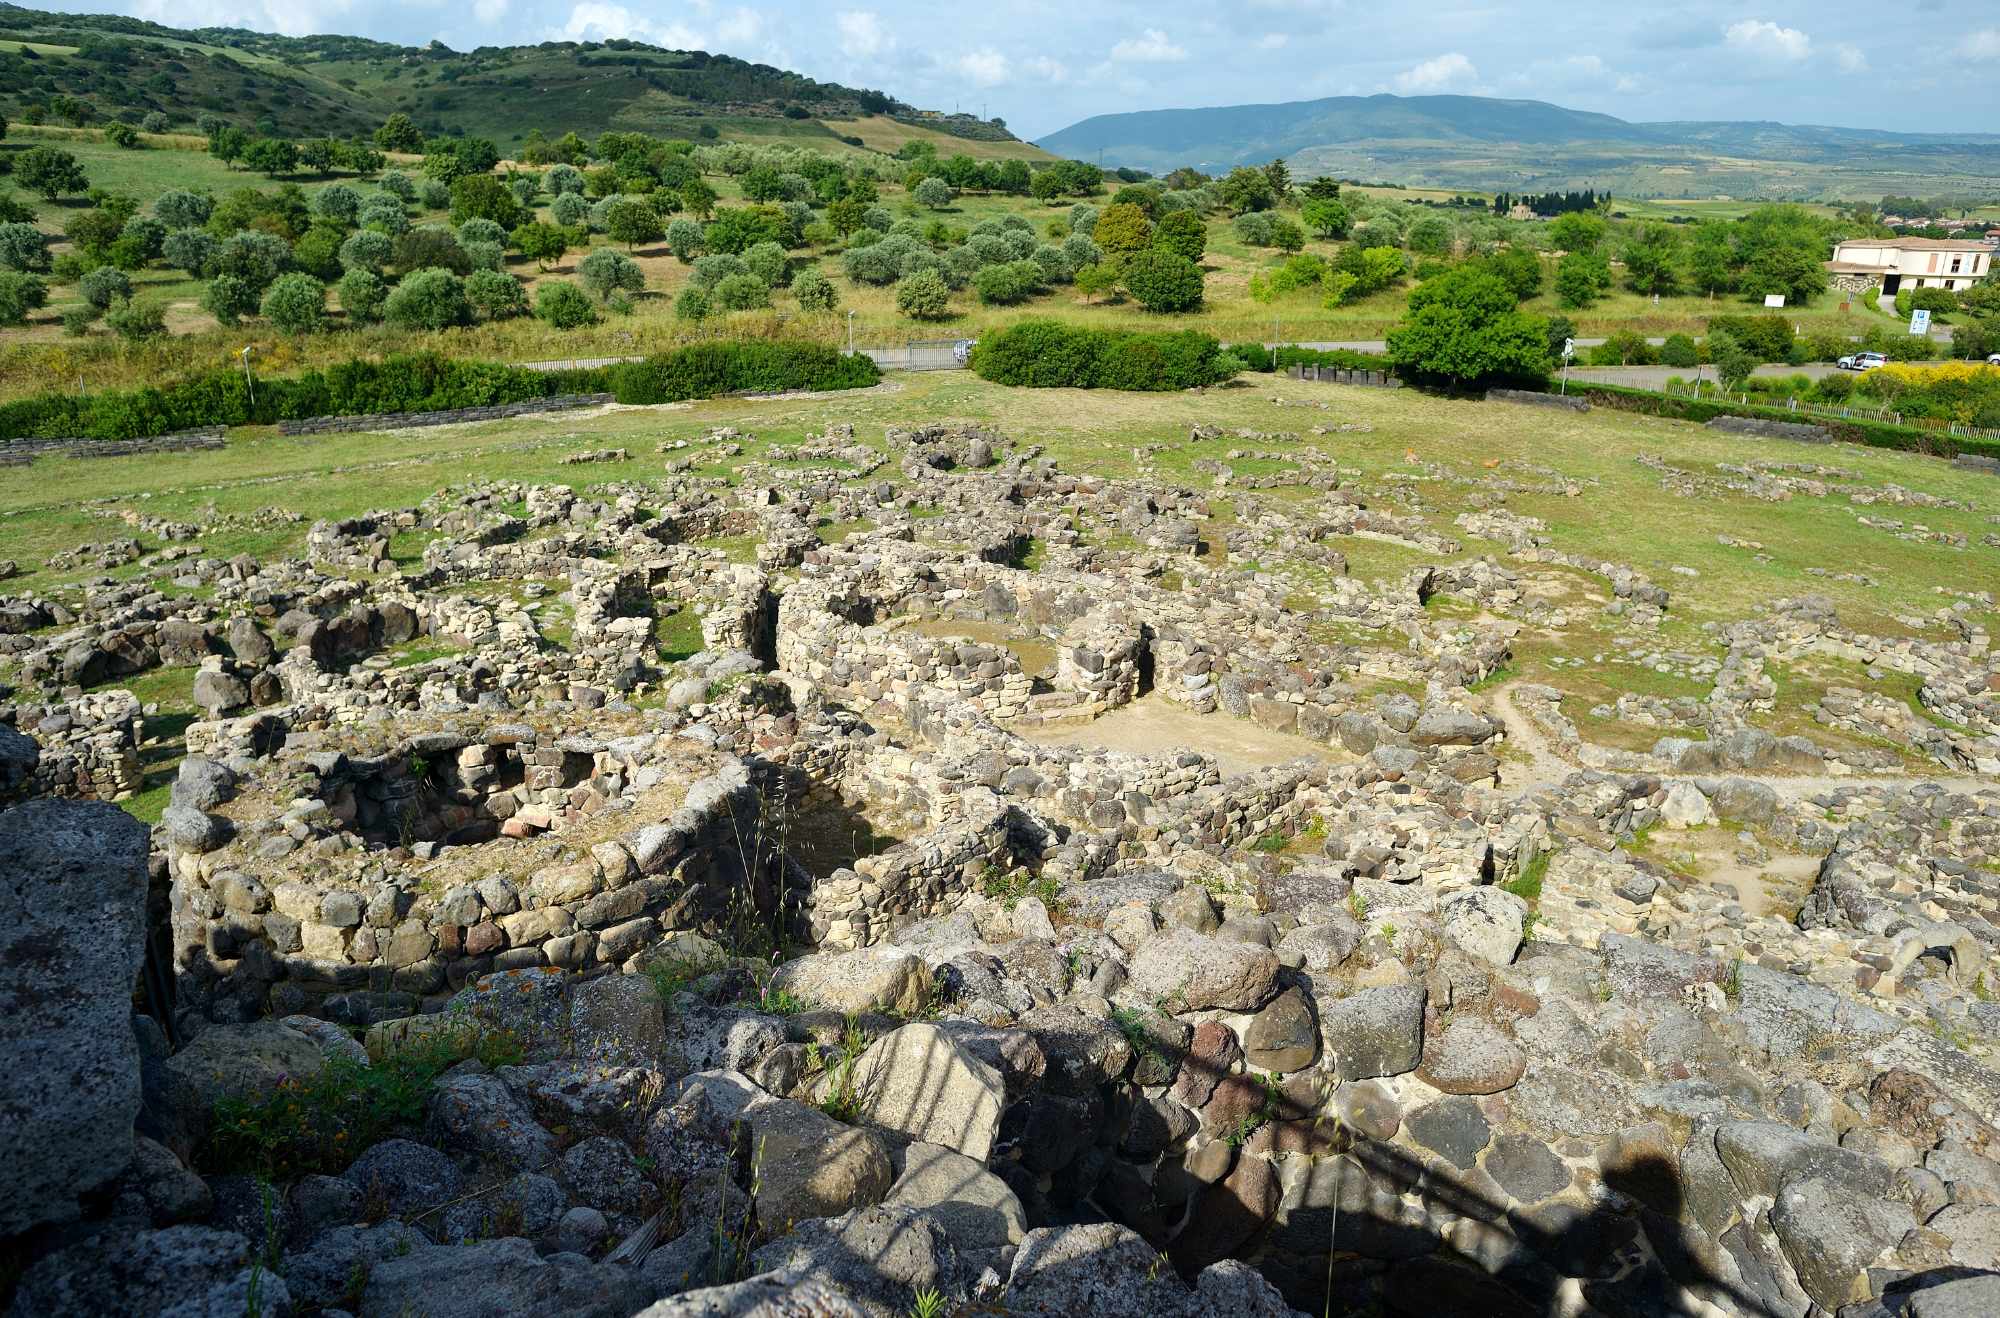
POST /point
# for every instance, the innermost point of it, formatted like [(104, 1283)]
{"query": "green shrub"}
[(495, 295), (77, 320), (1765, 338), (1679, 350), (814, 291), (707, 370), (23, 247), (1008, 283), (564, 305), (430, 299), (1048, 354), (362, 293), (607, 271), (1161, 279), (693, 304), (229, 298), (19, 294), (296, 304), (744, 292), (103, 286), (767, 261), (135, 320)]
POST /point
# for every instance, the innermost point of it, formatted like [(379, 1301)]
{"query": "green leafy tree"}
[(1326, 216), (253, 256), (1520, 268), (431, 245), (744, 292), (365, 249), (1712, 260), (1652, 260), (227, 143), (692, 305), (564, 306), (769, 263), (23, 247), (103, 286), (483, 197), (271, 156), (431, 299), (51, 172), (1464, 326), (229, 298), (1007, 283), (632, 222), (1581, 278), (1794, 272), (362, 294), (1733, 362), (737, 229), (1576, 231), (399, 133), (1182, 233), (698, 199), (1280, 176), (137, 318), (1095, 279), (495, 295), (1121, 230), (606, 271), (191, 250), (1160, 280), (540, 242), (1245, 189), (1430, 236), (814, 291), (934, 193), (923, 296), (296, 304), (1679, 351), (178, 208), (320, 154), (20, 293)]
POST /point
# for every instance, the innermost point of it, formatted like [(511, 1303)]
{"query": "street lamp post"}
[(249, 381), (850, 333)]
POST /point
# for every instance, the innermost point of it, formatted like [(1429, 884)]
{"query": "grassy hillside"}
[(1480, 142), (57, 67)]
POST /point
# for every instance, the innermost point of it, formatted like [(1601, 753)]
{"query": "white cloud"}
[(1048, 70), (596, 20), (1150, 47), (1586, 66), (987, 67), (741, 28), (1437, 74), (1273, 40), (861, 33), (1759, 36), (1983, 44), (292, 20), (1850, 58), (487, 11)]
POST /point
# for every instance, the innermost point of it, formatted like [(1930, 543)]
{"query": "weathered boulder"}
[(497, 1277), (1486, 922), (73, 910), (1187, 971), (1833, 1236), (1375, 1032), (918, 1082), (881, 978), (808, 1164), (405, 1177), (1471, 1056), (881, 1256), (1103, 1269), (229, 1061), (974, 1206), (146, 1272)]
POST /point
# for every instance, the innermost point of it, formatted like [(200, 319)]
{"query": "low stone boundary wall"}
[(21, 452), (1762, 429), (1978, 462), (1533, 398), (1344, 375), (330, 425)]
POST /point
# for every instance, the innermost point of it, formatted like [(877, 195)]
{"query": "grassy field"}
[(1417, 455)]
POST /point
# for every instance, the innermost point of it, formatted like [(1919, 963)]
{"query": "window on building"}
[(1956, 262)]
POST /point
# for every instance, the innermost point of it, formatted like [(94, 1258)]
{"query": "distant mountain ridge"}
[(1430, 130)]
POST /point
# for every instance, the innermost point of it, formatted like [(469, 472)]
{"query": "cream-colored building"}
[(1890, 264)]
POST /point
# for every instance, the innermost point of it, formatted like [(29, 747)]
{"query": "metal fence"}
[(922, 355)]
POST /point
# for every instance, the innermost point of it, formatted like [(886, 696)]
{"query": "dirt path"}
[(1547, 767), (1152, 725)]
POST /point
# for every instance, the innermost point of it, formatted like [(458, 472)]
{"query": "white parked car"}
[(1993, 360), (1862, 361)]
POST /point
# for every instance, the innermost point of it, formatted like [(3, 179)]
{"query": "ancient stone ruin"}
[(1015, 900)]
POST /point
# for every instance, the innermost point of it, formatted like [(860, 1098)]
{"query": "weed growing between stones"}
[(1010, 886), (322, 1122), (839, 1101)]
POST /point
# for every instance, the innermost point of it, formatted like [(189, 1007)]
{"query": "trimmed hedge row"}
[(1048, 354), (704, 370), (1851, 430), (427, 382)]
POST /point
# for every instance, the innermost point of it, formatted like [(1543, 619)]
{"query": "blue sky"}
[(1042, 65)]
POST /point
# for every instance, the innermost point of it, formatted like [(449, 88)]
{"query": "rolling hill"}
[(112, 67), (1482, 142)]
